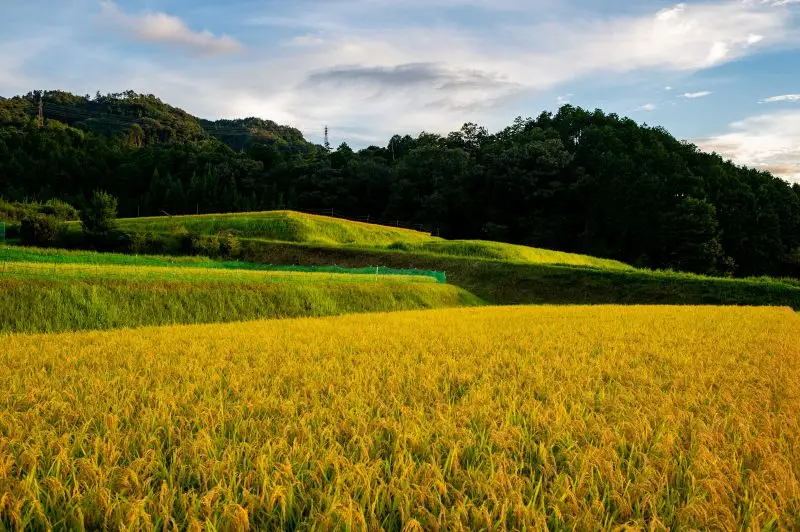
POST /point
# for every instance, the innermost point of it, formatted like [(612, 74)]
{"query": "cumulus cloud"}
[(695, 95), (770, 142), (782, 98), (161, 28)]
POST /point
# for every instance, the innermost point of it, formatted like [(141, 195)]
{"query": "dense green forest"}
[(577, 180)]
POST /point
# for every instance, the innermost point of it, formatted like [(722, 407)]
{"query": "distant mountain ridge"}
[(124, 112)]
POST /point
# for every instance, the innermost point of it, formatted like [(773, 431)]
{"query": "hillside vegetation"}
[(55, 305), (285, 226), (304, 228), (514, 283), (578, 181), (482, 249), (554, 418), (57, 290)]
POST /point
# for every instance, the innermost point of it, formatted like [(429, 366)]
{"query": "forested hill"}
[(577, 180), (141, 118)]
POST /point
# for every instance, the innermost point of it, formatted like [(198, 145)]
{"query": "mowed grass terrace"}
[(301, 228)]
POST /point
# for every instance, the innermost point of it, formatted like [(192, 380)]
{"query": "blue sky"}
[(722, 74)]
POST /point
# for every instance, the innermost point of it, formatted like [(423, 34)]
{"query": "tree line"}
[(575, 180)]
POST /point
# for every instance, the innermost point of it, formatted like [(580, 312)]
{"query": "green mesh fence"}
[(74, 262)]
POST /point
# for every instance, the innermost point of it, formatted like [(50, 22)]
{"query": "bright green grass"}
[(38, 305), (288, 226), (512, 253), (47, 263), (66, 271), (285, 226), (511, 283)]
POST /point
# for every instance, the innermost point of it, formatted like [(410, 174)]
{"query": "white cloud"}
[(380, 68), (531, 56), (162, 28), (647, 107), (769, 142), (695, 95), (667, 88), (782, 98)]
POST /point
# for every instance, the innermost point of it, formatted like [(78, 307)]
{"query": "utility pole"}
[(327, 142), (40, 115)]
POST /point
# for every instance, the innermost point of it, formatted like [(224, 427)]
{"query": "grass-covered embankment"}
[(484, 249), (77, 271), (301, 228), (286, 226), (39, 305), (60, 263), (507, 283)]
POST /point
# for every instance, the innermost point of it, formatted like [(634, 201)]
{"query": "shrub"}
[(229, 245), (400, 246), (145, 242), (12, 211), (186, 240), (206, 246), (99, 218), (12, 230), (59, 209), (40, 230)]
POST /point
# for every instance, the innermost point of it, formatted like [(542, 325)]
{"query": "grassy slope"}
[(288, 226), (508, 283), (61, 263), (31, 305), (73, 271), (482, 249)]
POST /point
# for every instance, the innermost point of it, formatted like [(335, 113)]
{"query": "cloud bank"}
[(161, 28), (770, 142)]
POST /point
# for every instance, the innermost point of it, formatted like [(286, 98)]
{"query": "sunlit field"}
[(286, 226), (297, 227), (492, 418), (66, 271)]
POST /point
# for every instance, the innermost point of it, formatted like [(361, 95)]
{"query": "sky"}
[(724, 75)]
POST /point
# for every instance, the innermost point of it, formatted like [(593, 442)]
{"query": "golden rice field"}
[(494, 418)]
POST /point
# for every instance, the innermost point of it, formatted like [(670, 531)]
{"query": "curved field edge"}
[(580, 418), (63, 259), (505, 283), (32, 305), (286, 226), (484, 249), (289, 226), (86, 271)]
